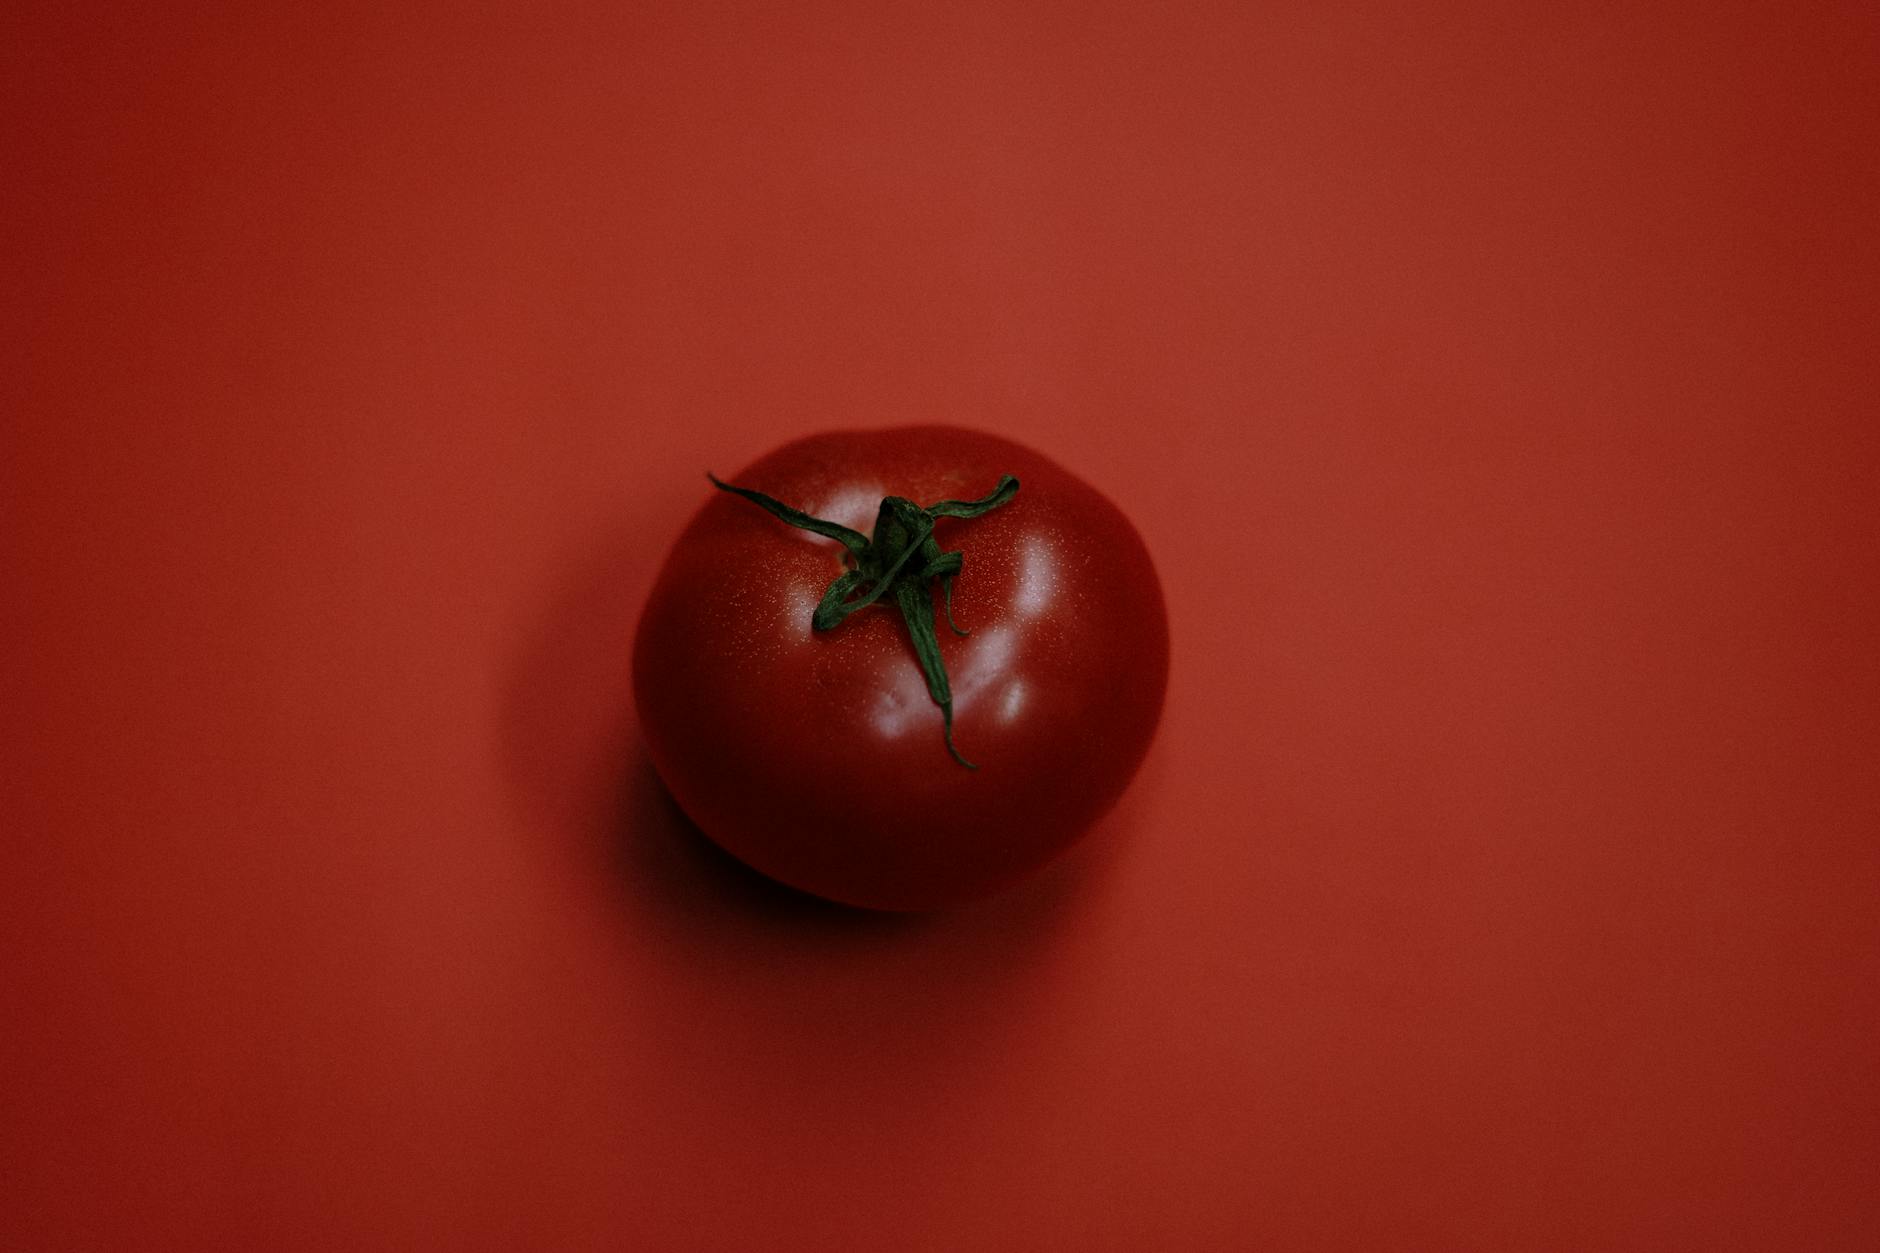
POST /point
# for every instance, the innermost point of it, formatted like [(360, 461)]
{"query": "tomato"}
[(805, 701)]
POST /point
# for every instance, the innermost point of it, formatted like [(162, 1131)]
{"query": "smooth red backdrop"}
[(1493, 384)]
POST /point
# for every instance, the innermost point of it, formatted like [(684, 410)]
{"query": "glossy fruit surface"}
[(818, 756)]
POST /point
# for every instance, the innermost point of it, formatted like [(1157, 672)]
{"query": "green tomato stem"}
[(902, 557)]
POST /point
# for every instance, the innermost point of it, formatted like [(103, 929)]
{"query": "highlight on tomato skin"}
[(874, 671)]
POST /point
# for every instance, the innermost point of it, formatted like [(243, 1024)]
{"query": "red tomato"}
[(821, 756)]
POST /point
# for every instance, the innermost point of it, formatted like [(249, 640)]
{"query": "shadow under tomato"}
[(933, 1015), (662, 850)]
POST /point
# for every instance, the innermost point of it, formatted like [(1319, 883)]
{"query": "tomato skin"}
[(817, 757)]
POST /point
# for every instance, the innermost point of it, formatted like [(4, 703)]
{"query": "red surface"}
[(1492, 384)]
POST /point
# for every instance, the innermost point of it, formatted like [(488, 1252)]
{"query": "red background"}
[(1492, 383)]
